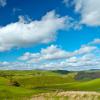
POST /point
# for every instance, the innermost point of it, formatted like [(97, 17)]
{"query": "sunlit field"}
[(31, 85)]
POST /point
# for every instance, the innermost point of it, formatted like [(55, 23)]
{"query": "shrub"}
[(14, 83)]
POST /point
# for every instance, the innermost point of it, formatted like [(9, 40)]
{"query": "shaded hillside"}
[(61, 71), (87, 75)]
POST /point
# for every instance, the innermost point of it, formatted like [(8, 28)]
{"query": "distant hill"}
[(87, 75), (61, 71), (81, 75)]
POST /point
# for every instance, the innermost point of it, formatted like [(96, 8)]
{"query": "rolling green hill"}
[(24, 84)]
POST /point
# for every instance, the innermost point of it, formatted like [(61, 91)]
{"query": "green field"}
[(23, 85)]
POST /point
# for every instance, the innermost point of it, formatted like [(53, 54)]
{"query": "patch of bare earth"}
[(68, 95)]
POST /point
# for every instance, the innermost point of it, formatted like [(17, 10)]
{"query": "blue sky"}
[(49, 34)]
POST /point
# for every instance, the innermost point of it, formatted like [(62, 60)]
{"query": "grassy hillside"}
[(24, 84), (93, 85), (87, 75)]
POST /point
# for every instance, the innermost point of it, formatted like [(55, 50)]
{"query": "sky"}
[(49, 34)]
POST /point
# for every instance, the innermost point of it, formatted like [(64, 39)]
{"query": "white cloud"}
[(55, 58), (89, 10), (50, 53), (55, 53), (84, 62), (3, 3), (95, 41), (85, 49), (23, 33)]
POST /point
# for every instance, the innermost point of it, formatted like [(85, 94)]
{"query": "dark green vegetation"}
[(20, 85), (88, 75)]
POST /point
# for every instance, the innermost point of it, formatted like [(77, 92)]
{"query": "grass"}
[(68, 95), (93, 85), (35, 82)]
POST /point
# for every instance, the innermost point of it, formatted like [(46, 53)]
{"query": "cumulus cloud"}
[(50, 53), (85, 49), (83, 62), (54, 53), (95, 41), (14, 66), (3, 3), (53, 57), (89, 10), (24, 33)]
